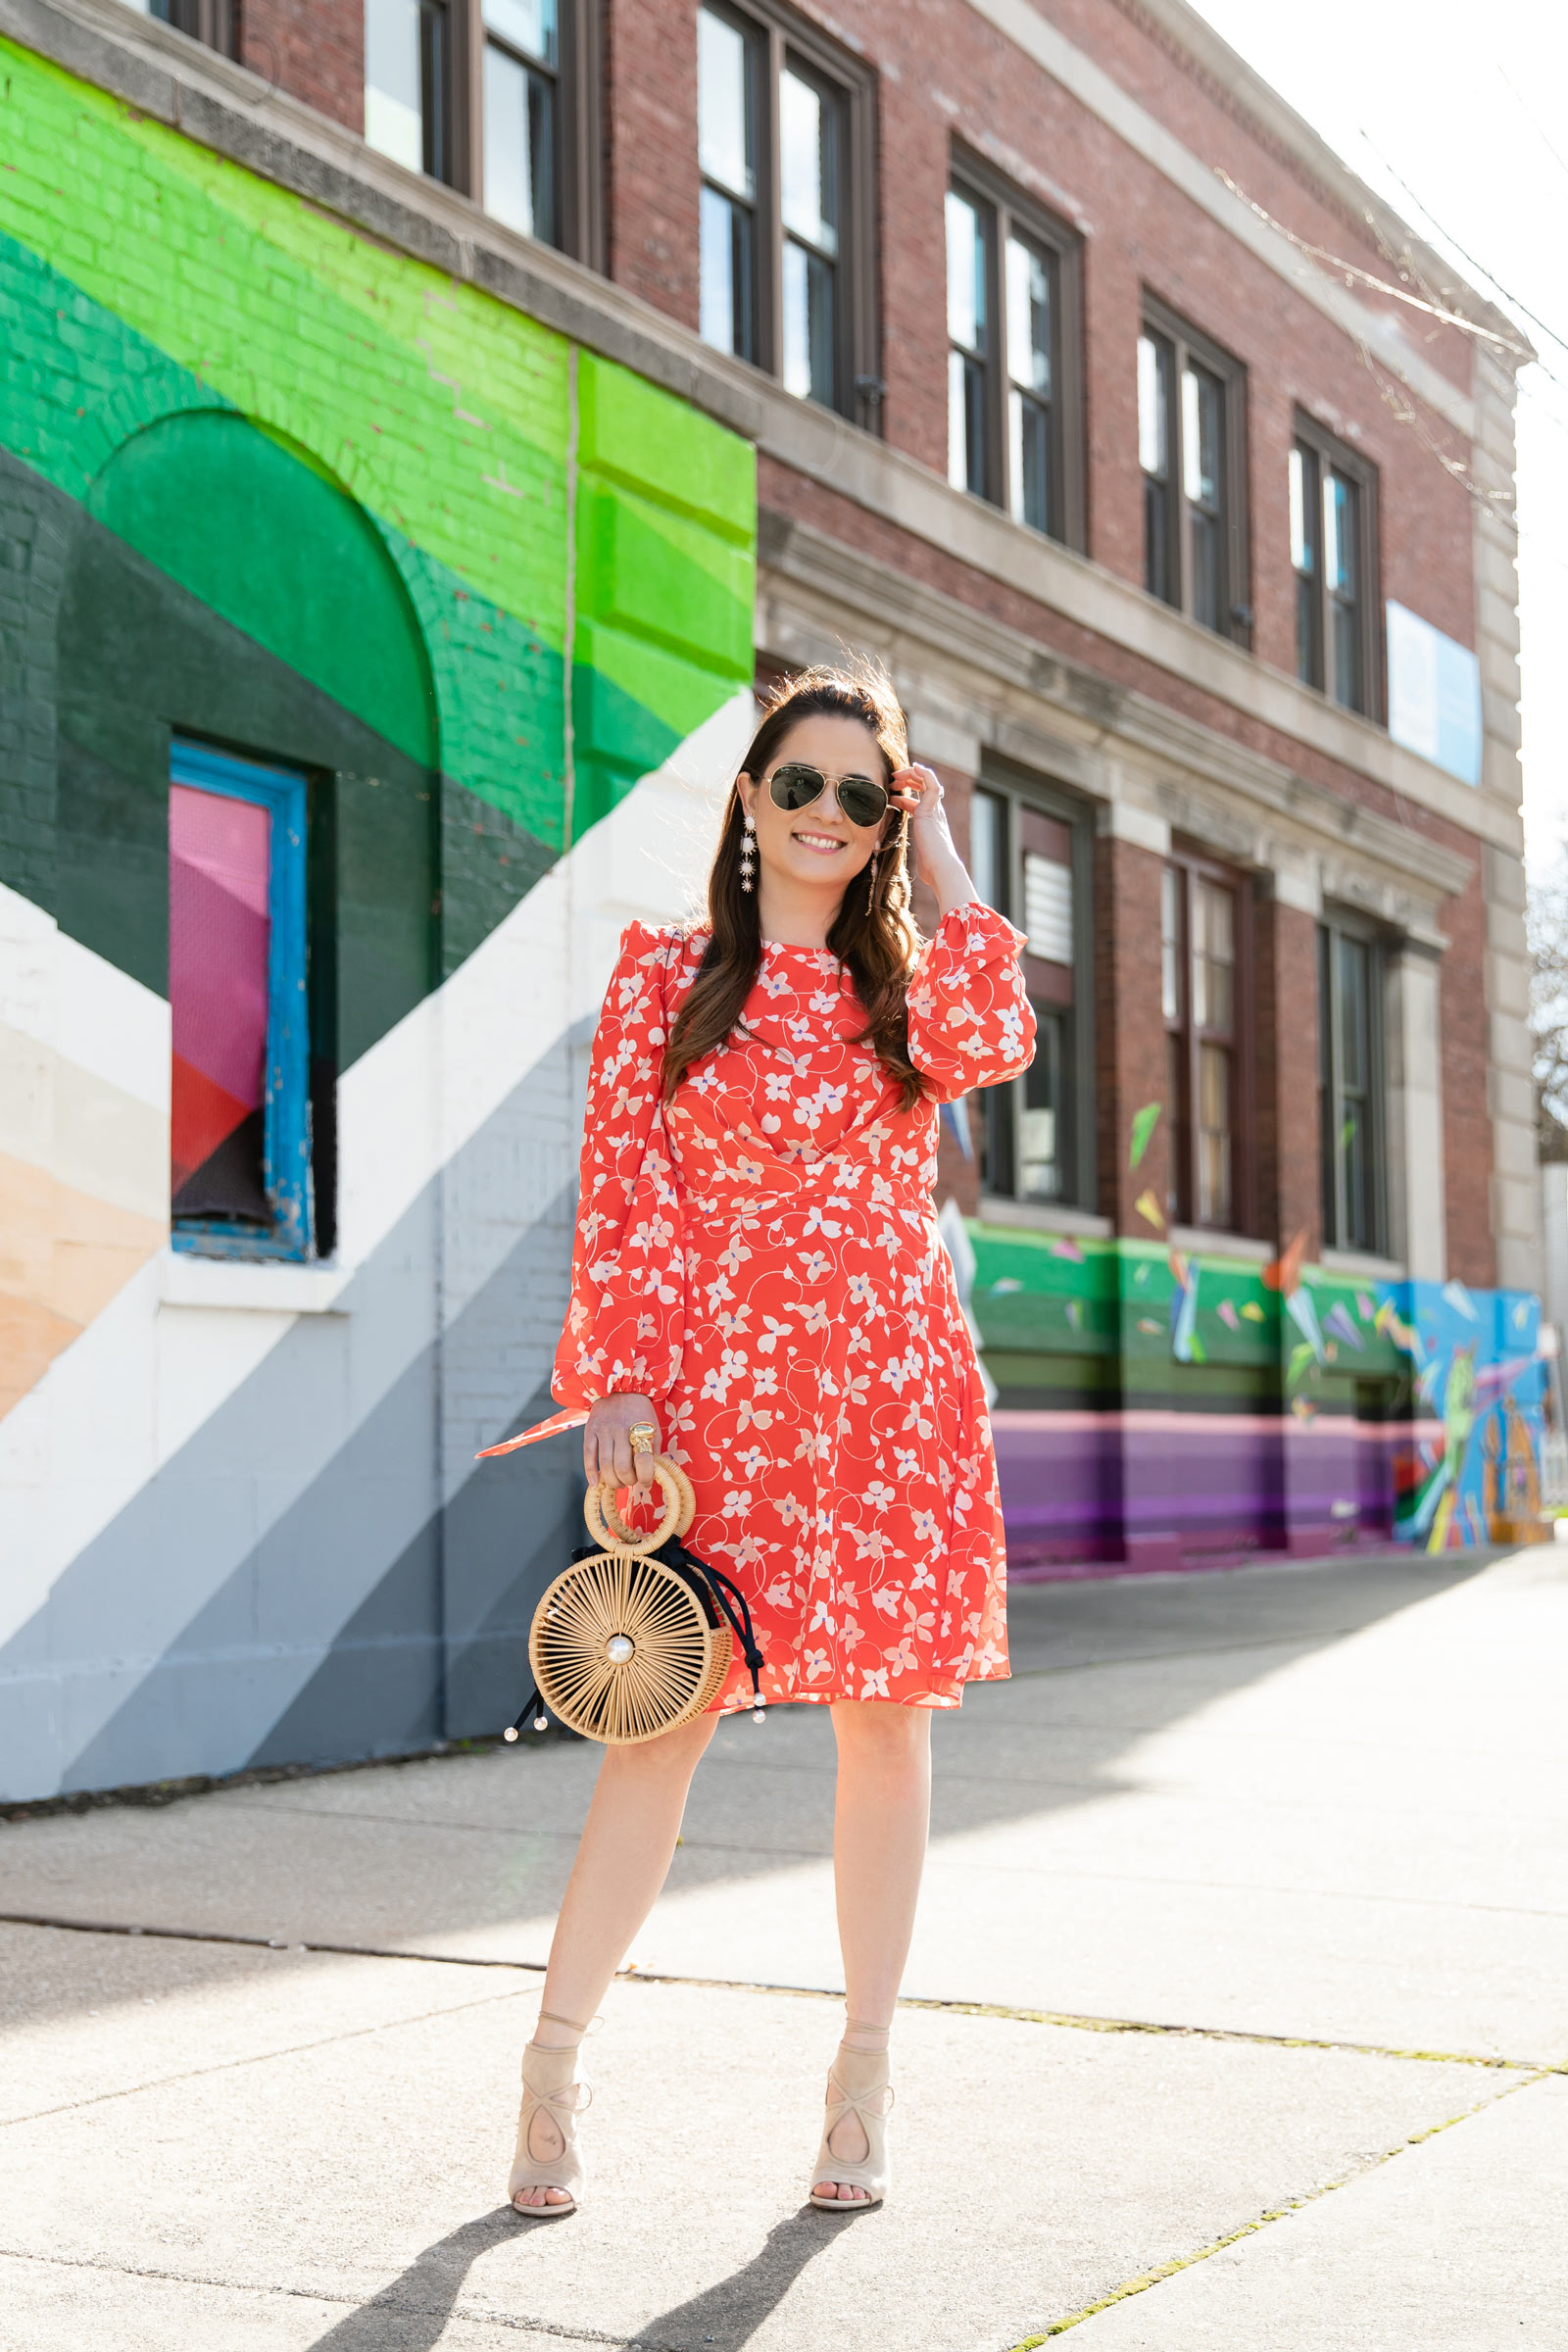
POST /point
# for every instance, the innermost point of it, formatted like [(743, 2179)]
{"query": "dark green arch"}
[(261, 533)]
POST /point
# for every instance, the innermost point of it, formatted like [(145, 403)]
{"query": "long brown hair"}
[(874, 933)]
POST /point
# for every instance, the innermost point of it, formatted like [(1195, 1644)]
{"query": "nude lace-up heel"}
[(549, 2085), (856, 2084)]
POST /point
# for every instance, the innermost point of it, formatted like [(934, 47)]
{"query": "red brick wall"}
[(1138, 229), (653, 192), (314, 53)]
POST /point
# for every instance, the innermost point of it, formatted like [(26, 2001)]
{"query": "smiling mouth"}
[(822, 843)]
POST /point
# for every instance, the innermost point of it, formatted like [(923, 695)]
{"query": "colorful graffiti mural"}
[(280, 502), (1160, 1406)]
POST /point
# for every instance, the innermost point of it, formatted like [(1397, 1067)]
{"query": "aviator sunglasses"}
[(795, 786)]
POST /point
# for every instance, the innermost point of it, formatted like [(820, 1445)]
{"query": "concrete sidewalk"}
[(1241, 1969)]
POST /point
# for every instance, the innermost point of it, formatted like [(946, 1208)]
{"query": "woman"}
[(759, 1290)]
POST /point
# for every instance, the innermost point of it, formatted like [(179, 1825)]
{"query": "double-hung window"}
[(1204, 955), (239, 1000), (499, 97), (1029, 853), (1349, 1029), (1013, 337), (1333, 502), (1191, 426), (783, 135)]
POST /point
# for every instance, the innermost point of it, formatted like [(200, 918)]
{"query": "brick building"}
[(422, 420)]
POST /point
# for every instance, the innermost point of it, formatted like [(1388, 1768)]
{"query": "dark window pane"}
[(1341, 570), (1213, 1135), (1030, 425), (1160, 573), (988, 834), (1354, 1041), (1213, 957), (966, 275), (969, 339), (1328, 1153), (433, 86), (1041, 1141), (1173, 993), (1205, 569), (1154, 370), (809, 324), (1202, 410), (1346, 626), (1176, 1108)]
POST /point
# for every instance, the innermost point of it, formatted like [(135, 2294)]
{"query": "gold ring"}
[(644, 1435)]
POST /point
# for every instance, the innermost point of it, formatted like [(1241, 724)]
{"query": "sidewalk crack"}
[(1276, 2212)]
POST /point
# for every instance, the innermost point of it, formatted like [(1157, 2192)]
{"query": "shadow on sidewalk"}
[(410, 2313), (728, 2314)]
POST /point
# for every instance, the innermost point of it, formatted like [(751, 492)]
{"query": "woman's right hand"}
[(607, 1454)]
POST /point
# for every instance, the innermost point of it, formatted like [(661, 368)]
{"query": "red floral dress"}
[(760, 1257)]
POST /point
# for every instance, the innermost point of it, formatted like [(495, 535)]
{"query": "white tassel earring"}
[(748, 852)]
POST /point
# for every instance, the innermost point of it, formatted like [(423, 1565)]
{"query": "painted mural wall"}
[(1164, 1408), (271, 497), (276, 503)]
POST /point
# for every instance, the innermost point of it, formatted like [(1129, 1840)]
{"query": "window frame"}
[(1184, 1192), (1333, 925), (210, 22), (580, 87), (291, 1001), (1002, 1106), (1188, 342), (780, 35), (1329, 453), (1009, 208)]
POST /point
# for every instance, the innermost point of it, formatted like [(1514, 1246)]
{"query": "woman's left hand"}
[(918, 791)]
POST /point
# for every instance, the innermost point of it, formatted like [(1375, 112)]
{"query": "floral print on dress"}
[(760, 1257)]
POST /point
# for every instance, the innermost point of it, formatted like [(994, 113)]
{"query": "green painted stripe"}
[(443, 411)]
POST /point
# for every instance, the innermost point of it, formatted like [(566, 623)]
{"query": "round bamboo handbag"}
[(636, 1636)]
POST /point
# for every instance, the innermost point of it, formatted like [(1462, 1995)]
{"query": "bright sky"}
[(1463, 104)]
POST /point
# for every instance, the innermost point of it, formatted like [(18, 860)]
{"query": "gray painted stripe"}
[(315, 1483)]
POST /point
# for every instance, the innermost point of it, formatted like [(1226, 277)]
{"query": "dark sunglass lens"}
[(863, 800), (796, 786)]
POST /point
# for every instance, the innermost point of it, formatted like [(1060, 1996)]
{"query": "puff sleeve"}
[(971, 1020), (625, 1324)]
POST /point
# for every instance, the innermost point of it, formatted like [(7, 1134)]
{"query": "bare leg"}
[(879, 1837), (622, 1859)]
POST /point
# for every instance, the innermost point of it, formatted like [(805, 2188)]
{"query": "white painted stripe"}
[(140, 1382), (57, 991)]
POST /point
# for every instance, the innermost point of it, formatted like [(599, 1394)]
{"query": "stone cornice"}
[(1310, 153), (1052, 713), (1089, 709), (1381, 333)]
